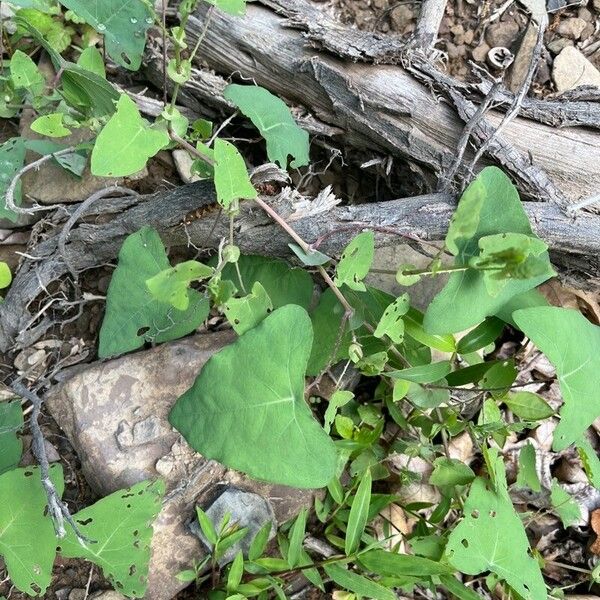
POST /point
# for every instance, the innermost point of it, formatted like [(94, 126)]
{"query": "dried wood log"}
[(296, 51), (96, 241)]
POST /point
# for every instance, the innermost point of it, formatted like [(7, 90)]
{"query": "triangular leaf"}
[(572, 345), (273, 119), (355, 262), (133, 315), (231, 176), (27, 538), (126, 143), (246, 408), (247, 312), (465, 300), (120, 526), (491, 537)]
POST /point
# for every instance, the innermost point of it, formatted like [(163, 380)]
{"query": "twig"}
[(520, 95), (428, 24), (79, 212), (447, 178), (10, 192), (57, 509)]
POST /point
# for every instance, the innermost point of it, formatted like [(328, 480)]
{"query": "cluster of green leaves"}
[(118, 528), (119, 141), (284, 336)]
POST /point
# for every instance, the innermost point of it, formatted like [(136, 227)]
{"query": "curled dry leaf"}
[(393, 526), (595, 525)]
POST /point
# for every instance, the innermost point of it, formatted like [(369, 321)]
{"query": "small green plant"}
[(249, 407)]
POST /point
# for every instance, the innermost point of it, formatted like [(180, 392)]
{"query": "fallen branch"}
[(292, 49), (574, 241), (58, 510)]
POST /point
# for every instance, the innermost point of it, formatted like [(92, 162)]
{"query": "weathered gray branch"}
[(293, 49), (575, 242)]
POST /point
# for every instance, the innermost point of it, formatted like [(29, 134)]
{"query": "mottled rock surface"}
[(115, 414)]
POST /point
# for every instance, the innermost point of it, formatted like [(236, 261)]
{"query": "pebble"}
[(572, 28), (502, 34), (480, 53), (572, 69), (246, 509)]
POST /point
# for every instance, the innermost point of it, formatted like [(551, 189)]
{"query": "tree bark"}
[(334, 73), (574, 243)]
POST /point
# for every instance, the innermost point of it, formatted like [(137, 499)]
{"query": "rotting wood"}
[(97, 239), (303, 56)]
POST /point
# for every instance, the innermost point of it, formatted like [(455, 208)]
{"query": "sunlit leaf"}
[(273, 119), (571, 344), (126, 142), (233, 7), (247, 312), (253, 417), (465, 300), (231, 176), (121, 526), (172, 284), (25, 74), (356, 261), (391, 323), (27, 538), (491, 537), (51, 125)]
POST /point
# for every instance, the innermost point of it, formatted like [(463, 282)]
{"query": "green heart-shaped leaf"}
[(27, 538), (572, 345), (246, 408), (466, 299), (133, 315), (126, 143), (121, 527)]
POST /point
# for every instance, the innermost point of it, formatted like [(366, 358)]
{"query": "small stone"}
[(77, 594), (558, 44), (572, 28), (468, 37), (572, 69), (585, 14), (480, 53), (401, 16), (183, 164), (107, 595), (597, 5), (247, 510), (502, 34)]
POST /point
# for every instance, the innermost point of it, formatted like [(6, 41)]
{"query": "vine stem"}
[(10, 192), (306, 248)]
